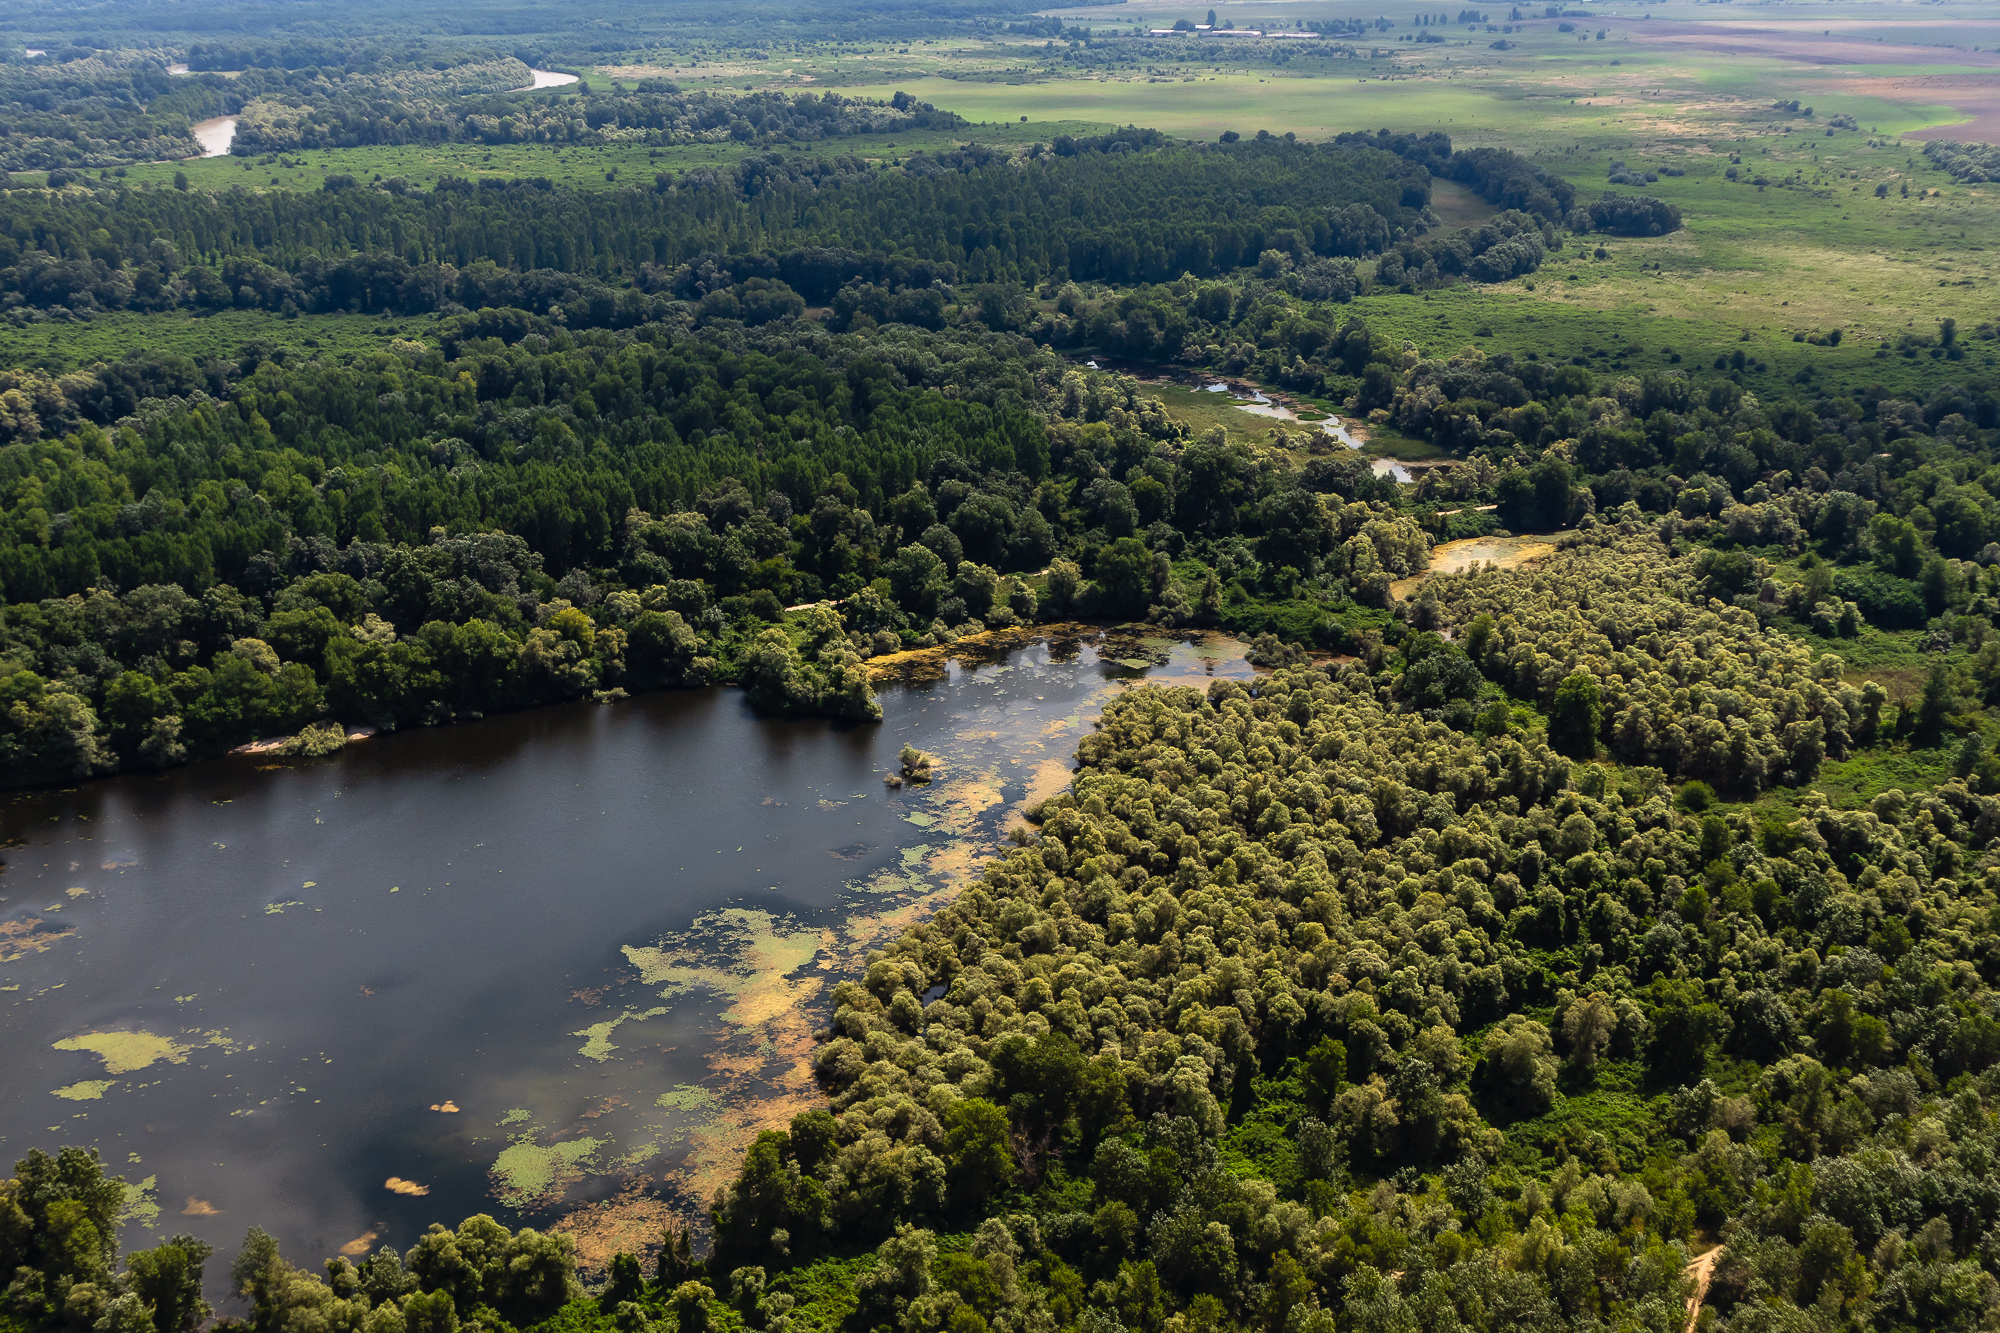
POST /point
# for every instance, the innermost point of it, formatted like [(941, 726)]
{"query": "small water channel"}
[(1257, 403), (556, 964)]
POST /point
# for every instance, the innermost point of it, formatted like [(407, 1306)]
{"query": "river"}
[(215, 135), (564, 961)]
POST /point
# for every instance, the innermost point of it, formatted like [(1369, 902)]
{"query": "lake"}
[(556, 964)]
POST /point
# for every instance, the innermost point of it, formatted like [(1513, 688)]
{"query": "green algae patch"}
[(90, 1090), (142, 1204), (125, 1052), (529, 1175), (599, 1045), (688, 1097)]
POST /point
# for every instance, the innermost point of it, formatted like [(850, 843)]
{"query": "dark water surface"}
[(558, 958)]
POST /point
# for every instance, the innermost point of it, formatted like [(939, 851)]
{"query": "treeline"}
[(1095, 215), (974, 213), (292, 117), (1973, 163), (1309, 1007)]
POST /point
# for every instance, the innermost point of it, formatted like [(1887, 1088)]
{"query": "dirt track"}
[(1699, 1273)]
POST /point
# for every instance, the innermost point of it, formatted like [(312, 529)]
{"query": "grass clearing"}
[(1202, 411)]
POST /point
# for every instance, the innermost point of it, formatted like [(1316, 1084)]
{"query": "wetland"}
[(563, 961)]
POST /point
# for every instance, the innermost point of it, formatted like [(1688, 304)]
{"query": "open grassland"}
[(1785, 232)]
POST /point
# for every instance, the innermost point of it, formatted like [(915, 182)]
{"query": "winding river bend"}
[(557, 963)]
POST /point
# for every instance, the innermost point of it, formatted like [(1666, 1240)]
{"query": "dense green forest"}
[(291, 114), (1505, 946), (1117, 208)]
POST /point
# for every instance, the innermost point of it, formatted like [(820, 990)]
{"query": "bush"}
[(1884, 599)]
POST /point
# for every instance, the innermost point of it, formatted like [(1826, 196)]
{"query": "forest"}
[(1114, 208), (531, 509), (1512, 949)]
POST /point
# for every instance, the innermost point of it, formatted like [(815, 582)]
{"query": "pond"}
[(556, 964)]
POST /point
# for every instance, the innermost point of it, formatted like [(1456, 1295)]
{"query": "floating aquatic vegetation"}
[(760, 953), (398, 1185), (200, 1208), (687, 1097), (359, 1246), (628, 1223), (599, 1046), (26, 935), (142, 1204), (89, 1090), (127, 1052), (530, 1175), (448, 1107)]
